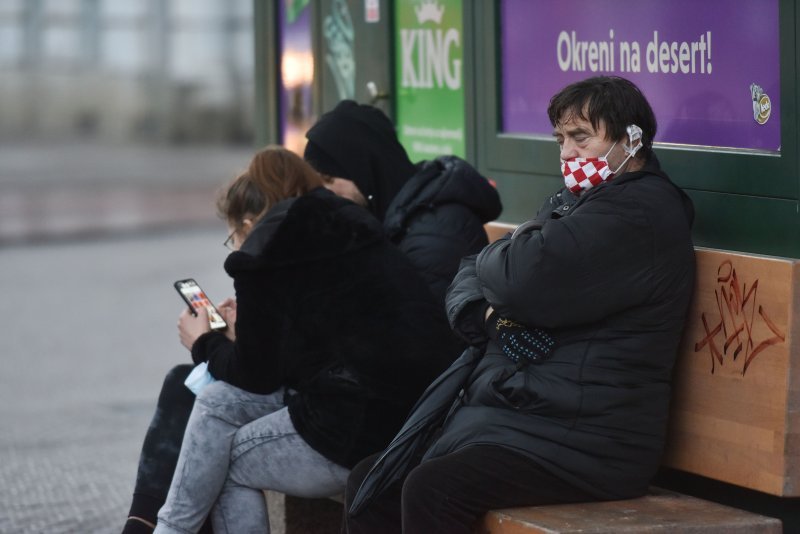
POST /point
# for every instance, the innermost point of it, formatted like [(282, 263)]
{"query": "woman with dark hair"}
[(335, 337), (433, 211)]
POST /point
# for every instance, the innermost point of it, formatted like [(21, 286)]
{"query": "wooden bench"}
[(735, 413), (735, 416)]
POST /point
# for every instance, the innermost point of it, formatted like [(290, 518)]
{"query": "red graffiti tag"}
[(738, 310)]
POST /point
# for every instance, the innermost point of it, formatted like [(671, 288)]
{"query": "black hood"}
[(359, 143), (444, 180)]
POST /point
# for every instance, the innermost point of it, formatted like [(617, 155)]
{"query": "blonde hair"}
[(274, 174)]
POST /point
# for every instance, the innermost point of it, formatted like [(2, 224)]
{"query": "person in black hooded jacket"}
[(574, 321), (336, 334), (433, 211)]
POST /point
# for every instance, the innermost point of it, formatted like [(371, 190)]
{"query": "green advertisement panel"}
[(429, 81)]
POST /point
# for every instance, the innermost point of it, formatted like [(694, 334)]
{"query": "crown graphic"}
[(429, 10)]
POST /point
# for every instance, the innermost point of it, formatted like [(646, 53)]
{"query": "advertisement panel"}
[(710, 69), (429, 77)]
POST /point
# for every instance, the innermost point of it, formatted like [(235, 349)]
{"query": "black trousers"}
[(162, 445), (451, 493)]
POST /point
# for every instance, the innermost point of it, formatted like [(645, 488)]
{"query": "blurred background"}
[(119, 121), (176, 71), (102, 101)]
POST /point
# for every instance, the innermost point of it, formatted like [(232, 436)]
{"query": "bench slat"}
[(661, 511)]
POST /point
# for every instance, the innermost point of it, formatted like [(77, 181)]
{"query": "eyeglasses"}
[(229, 242)]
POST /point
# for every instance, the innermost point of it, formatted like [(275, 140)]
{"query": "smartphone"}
[(196, 298)]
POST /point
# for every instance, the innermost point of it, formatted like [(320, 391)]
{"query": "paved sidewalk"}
[(91, 239), (88, 335)]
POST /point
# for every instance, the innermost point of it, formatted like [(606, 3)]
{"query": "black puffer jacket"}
[(437, 218), (328, 307), (610, 275), (433, 211)]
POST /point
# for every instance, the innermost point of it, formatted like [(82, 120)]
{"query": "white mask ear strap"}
[(634, 134), (610, 149)]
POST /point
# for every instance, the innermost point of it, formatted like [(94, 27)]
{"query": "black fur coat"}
[(329, 308)]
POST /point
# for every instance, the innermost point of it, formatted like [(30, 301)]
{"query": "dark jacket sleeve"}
[(435, 241), (466, 307), (254, 362), (212, 345), (576, 269)]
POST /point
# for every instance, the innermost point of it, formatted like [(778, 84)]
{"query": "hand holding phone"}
[(227, 308), (197, 299)]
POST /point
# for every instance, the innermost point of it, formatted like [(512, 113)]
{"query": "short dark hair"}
[(615, 101)]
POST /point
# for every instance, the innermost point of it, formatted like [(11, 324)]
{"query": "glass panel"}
[(297, 73), (62, 44), (187, 10), (123, 50), (11, 8), (10, 44), (115, 8), (69, 8)]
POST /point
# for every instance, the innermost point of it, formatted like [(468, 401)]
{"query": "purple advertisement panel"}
[(710, 69)]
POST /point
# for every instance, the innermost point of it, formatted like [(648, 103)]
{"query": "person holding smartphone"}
[(334, 337)]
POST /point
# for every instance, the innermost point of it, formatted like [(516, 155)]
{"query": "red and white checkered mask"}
[(581, 174)]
